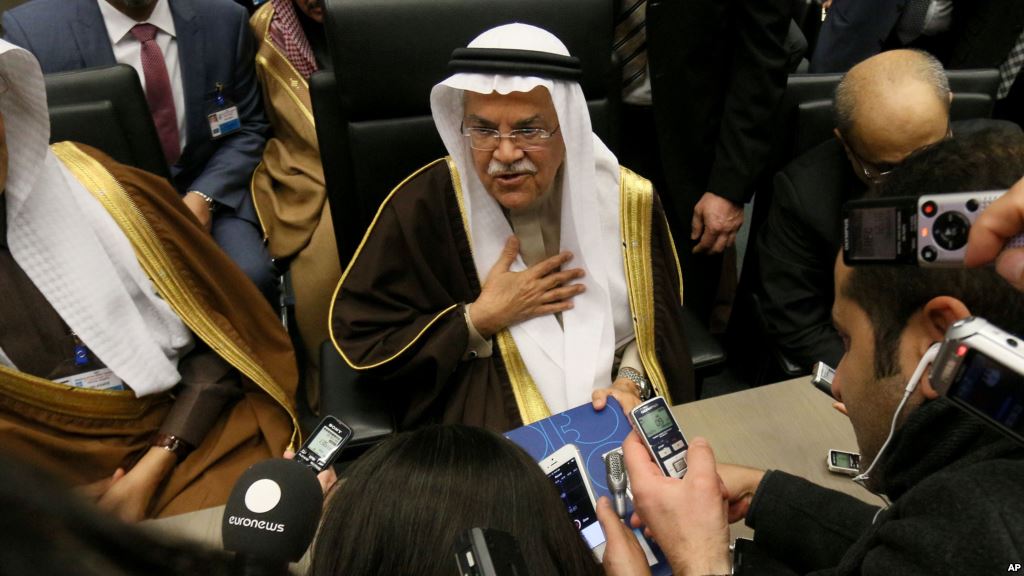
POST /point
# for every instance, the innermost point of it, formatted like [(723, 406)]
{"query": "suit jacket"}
[(214, 45), (798, 244), (718, 71), (797, 247)]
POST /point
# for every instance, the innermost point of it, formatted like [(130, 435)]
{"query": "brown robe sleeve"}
[(208, 384), (398, 311)]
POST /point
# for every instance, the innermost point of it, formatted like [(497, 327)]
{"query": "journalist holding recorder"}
[(953, 482)]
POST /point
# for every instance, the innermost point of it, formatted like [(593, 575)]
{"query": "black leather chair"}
[(375, 128), (808, 104), (106, 109)]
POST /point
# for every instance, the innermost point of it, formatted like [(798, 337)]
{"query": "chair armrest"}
[(354, 398), (707, 354)]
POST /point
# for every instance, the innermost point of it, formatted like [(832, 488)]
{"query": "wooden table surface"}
[(787, 426)]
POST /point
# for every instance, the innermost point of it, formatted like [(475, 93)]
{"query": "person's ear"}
[(930, 326)]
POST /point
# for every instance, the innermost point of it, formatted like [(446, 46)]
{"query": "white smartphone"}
[(661, 434), (567, 469), (843, 462)]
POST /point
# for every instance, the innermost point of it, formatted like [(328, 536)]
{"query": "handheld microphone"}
[(271, 516), (615, 469)]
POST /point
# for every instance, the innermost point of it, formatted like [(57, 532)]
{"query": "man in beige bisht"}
[(288, 186), (136, 359), (526, 273)]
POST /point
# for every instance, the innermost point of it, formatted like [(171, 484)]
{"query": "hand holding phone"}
[(325, 444)]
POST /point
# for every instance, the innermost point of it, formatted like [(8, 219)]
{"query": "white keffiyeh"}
[(74, 252), (566, 364)]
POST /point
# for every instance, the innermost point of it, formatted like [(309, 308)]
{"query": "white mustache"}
[(523, 165)]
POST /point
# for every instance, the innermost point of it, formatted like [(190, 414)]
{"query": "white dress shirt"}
[(128, 50)]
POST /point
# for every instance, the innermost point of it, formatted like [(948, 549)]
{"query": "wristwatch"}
[(172, 444), (206, 198), (643, 386)]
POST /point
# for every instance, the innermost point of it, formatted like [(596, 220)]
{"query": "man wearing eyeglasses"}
[(886, 107), (524, 274)]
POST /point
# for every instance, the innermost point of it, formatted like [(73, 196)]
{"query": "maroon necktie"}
[(158, 91)]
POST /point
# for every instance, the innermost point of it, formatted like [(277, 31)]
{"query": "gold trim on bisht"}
[(285, 73), (344, 275), (72, 401), (159, 267), (636, 201), (529, 400)]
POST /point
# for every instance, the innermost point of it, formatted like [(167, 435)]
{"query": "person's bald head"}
[(890, 105)]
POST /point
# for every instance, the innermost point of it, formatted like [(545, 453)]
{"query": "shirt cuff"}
[(477, 347), (631, 358)]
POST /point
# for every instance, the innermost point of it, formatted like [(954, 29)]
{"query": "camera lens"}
[(928, 254), (950, 230)]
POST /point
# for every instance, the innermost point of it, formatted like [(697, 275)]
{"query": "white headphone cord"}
[(925, 362)]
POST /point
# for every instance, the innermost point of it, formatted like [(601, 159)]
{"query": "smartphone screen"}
[(569, 481)]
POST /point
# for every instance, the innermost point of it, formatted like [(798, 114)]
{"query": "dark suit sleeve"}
[(795, 285), (14, 33), (227, 173), (756, 84), (854, 31)]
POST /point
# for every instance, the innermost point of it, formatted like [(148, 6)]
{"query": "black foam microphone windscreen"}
[(272, 515)]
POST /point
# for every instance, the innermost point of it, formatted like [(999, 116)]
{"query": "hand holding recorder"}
[(994, 228), (689, 517)]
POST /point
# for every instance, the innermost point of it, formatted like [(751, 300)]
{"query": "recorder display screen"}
[(326, 441), (577, 501), (872, 233), (988, 387), (656, 421)]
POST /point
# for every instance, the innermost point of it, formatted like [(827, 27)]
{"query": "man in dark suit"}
[(886, 107), (207, 51), (718, 71)]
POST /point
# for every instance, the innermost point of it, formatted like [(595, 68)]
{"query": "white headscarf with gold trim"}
[(73, 251), (567, 363)]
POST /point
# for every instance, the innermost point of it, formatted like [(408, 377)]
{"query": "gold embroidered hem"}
[(637, 212)]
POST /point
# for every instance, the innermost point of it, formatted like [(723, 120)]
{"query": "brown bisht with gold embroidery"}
[(84, 435), (289, 193), (398, 310)]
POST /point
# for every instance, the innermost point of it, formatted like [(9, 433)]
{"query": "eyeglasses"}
[(877, 173), (526, 139)]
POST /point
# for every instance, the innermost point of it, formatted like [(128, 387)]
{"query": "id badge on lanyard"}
[(99, 379), (222, 115)]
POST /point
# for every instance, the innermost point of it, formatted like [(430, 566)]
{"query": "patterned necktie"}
[(158, 91), (1009, 70), (631, 42)]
